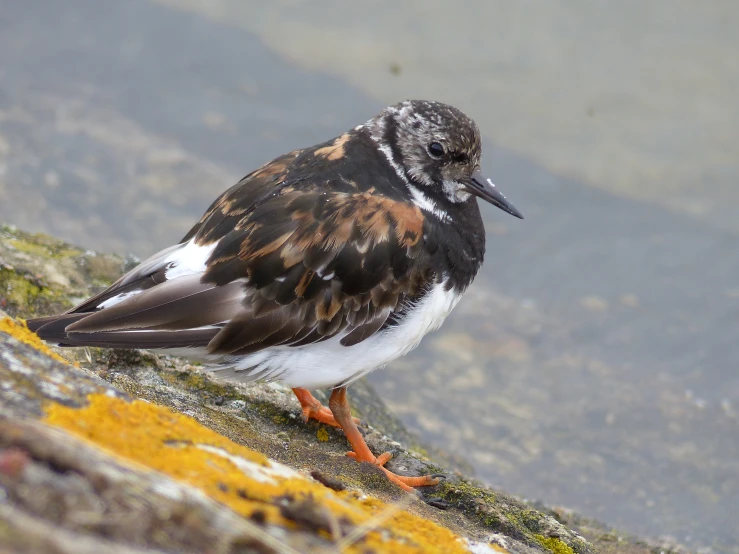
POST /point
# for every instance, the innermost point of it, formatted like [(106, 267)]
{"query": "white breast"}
[(328, 363)]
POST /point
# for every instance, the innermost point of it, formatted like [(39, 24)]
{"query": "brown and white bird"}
[(315, 269)]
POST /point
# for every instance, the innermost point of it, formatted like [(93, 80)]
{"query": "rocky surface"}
[(104, 451)]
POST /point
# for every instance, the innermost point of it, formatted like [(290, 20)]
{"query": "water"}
[(593, 362)]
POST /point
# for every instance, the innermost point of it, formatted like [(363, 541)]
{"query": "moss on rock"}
[(41, 275), (554, 544)]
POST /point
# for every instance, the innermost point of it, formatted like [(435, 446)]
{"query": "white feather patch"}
[(188, 260), (117, 299), (425, 203), (179, 261)]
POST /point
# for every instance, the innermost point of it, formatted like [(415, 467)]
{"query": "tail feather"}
[(152, 340), (53, 328)]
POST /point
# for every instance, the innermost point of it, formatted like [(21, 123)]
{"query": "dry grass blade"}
[(375, 522), (253, 531)]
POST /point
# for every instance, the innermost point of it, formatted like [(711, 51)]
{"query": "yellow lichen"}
[(554, 544), (235, 475), (40, 249), (322, 435), (20, 332)]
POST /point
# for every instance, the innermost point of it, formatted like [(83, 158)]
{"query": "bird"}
[(317, 268)]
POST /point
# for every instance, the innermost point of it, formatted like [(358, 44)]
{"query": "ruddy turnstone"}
[(315, 269)]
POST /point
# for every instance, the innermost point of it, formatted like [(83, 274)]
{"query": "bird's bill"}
[(484, 188)]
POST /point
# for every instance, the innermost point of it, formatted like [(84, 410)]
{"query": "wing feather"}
[(287, 256), (319, 263)]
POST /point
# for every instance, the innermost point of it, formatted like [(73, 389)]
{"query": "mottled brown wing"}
[(299, 255), (316, 262)]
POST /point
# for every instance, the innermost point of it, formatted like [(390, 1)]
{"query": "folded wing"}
[(274, 261)]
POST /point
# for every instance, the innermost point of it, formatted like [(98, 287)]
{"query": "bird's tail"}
[(54, 328)]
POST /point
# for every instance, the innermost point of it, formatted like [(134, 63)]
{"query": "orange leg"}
[(342, 415), (313, 409)]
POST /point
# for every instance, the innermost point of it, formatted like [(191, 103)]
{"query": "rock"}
[(41, 275), (127, 451)]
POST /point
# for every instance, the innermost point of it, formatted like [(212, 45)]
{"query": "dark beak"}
[(485, 189)]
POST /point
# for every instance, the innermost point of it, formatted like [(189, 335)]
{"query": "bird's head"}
[(436, 149)]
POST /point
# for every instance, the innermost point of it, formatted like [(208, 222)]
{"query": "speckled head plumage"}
[(436, 148), (434, 143)]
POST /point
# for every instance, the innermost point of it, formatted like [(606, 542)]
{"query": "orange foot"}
[(313, 409), (342, 415), (403, 481)]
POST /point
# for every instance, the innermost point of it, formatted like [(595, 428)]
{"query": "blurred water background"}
[(593, 364)]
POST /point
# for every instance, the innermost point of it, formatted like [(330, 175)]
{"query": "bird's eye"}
[(436, 150)]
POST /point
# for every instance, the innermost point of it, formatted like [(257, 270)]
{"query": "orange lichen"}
[(19, 331), (234, 475)]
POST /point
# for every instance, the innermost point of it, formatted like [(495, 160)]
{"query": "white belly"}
[(328, 363)]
